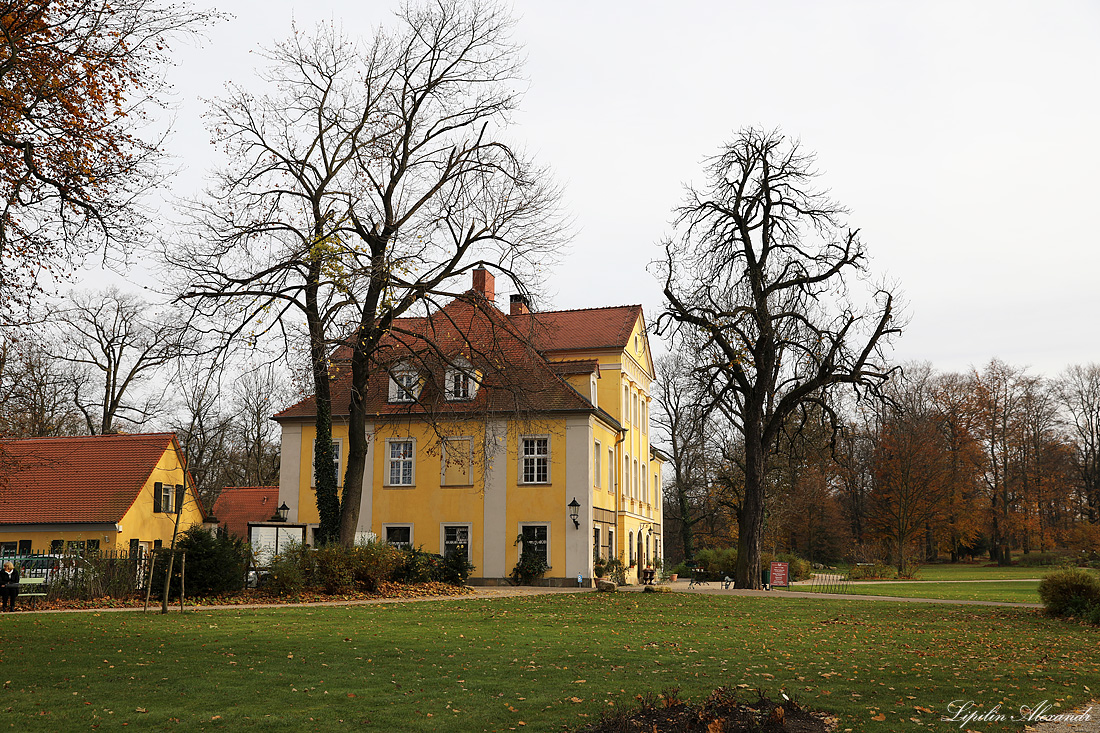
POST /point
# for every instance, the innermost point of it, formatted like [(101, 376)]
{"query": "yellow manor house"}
[(490, 432)]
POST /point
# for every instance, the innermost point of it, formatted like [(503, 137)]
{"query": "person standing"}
[(9, 586)]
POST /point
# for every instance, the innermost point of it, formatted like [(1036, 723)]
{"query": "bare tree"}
[(119, 343), (680, 425), (757, 282), (373, 179), (35, 392), (1079, 391)]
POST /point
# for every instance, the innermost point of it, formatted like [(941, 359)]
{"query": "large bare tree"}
[(368, 183), (757, 282)]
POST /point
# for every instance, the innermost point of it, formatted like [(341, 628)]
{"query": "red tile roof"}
[(514, 375), (78, 479), (573, 330), (236, 506)]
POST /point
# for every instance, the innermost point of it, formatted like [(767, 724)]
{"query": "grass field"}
[(1013, 591), (535, 663), (961, 571)]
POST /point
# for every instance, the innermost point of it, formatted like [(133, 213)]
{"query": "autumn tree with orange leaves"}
[(77, 77)]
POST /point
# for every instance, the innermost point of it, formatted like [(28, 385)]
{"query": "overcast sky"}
[(962, 136)]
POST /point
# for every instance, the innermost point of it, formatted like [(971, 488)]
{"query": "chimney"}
[(485, 283), (518, 305)]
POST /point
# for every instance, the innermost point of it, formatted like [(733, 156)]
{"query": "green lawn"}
[(552, 662), (1007, 591), (962, 571)]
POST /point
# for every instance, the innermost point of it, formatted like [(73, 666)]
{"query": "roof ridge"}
[(579, 310)]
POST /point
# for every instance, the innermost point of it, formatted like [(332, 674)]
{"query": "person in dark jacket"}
[(9, 586)]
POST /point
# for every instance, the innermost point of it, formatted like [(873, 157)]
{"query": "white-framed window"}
[(167, 498), (461, 381), (611, 470), (535, 537), (630, 547), (626, 404), (455, 538), (626, 475), (404, 384), (634, 409), (337, 453), (597, 551), (637, 487), (645, 416), (457, 462), (398, 535), (534, 461), (597, 451), (400, 462)]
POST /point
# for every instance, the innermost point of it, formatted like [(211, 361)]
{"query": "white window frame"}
[(167, 498), (637, 488), (523, 456), (549, 535), (389, 460), (412, 533), (469, 538), (404, 384), (461, 369), (337, 458), (626, 475), (611, 470), (444, 460), (597, 454)]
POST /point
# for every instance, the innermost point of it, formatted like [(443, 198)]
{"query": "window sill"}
[(522, 484), (398, 486), (456, 486)]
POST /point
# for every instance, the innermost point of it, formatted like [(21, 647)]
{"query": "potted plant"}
[(599, 569)]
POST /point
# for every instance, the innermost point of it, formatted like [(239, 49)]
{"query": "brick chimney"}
[(518, 305), (485, 283)]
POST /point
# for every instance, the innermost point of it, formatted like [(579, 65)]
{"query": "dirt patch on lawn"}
[(721, 712)]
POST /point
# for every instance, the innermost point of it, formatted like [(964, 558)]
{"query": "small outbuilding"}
[(94, 493)]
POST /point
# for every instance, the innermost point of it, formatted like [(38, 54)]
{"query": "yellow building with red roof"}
[(89, 493), (486, 426)]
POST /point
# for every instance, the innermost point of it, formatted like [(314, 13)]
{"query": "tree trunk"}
[(357, 446), (750, 518), (324, 470)]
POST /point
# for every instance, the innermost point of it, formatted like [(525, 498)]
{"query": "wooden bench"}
[(32, 588)]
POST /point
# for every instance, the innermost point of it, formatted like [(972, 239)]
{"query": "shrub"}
[(292, 571), (374, 563), (616, 570), (215, 564), (530, 567), (456, 568), (1040, 559), (721, 560), (1071, 592), (335, 569), (419, 567), (872, 571)]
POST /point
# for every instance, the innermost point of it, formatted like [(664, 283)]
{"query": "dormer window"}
[(404, 385), (461, 381)]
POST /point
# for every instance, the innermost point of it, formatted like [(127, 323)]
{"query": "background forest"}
[(946, 466)]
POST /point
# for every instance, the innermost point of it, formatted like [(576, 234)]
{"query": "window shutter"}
[(156, 496), (179, 498)]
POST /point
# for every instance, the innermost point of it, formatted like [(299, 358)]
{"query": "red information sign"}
[(778, 574)]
